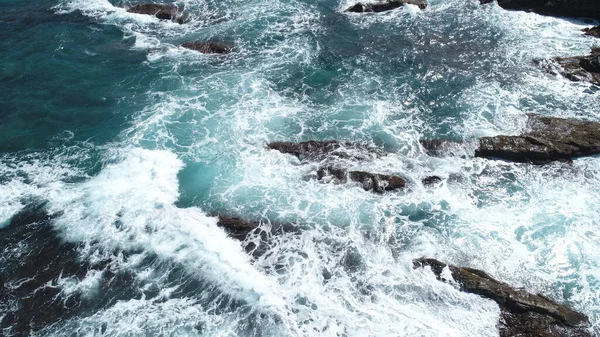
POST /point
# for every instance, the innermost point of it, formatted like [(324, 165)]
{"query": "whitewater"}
[(121, 148)]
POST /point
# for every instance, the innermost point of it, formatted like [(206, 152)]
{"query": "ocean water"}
[(118, 148)]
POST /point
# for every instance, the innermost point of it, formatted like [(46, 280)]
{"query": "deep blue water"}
[(118, 147)]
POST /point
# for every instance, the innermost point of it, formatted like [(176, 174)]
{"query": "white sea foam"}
[(530, 226)]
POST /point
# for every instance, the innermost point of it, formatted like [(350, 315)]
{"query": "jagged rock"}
[(594, 31), (236, 227), (437, 147), (320, 150), (428, 181), (208, 47), (522, 314), (385, 6), (568, 8), (581, 68), (161, 11), (550, 139), (370, 181)]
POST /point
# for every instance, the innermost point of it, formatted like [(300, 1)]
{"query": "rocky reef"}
[(522, 314), (549, 139)]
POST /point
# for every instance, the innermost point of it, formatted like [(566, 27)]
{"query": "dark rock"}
[(428, 181), (237, 227), (581, 68), (385, 6), (567, 8), (320, 150), (370, 181), (594, 31), (522, 314), (550, 139), (161, 11), (208, 47), (437, 147)]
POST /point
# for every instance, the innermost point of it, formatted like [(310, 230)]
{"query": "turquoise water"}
[(118, 147)]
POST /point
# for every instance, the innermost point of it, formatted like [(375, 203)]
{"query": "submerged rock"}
[(428, 181), (594, 31), (161, 11), (550, 139), (569, 8), (208, 47), (522, 314), (385, 6), (320, 150), (581, 68), (437, 147), (370, 181), (236, 227)]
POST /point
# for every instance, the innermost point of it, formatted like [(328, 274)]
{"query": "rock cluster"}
[(522, 314), (369, 181), (581, 68)]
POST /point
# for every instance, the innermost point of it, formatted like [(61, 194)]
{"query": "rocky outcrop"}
[(161, 11), (370, 181), (594, 31), (521, 314), (208, 47), (568, 8), (437, 147), (549, 139), (237, 227), (383, 6), (581, 68), (315, 150)]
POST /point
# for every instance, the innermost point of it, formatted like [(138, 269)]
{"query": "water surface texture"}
[(118, 148)]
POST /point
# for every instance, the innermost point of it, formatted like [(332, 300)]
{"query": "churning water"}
[(118, 147)]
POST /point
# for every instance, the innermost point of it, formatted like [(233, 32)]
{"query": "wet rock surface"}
[(430, 181), (314, 150), (383, 6), (161, 11), (550, 139), (594, 31), (370, 181), (566, 8), (438, 147), (522, 314), (581, 68), (208, 47)]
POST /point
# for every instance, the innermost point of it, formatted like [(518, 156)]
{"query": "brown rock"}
[(581, 68), (208, 47), (315, 150), (594, 31), (385, 6), (161, 11), (550, 139), (522, 314), (370, 181)]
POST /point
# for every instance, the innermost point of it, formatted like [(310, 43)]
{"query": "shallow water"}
[(119, 146)]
